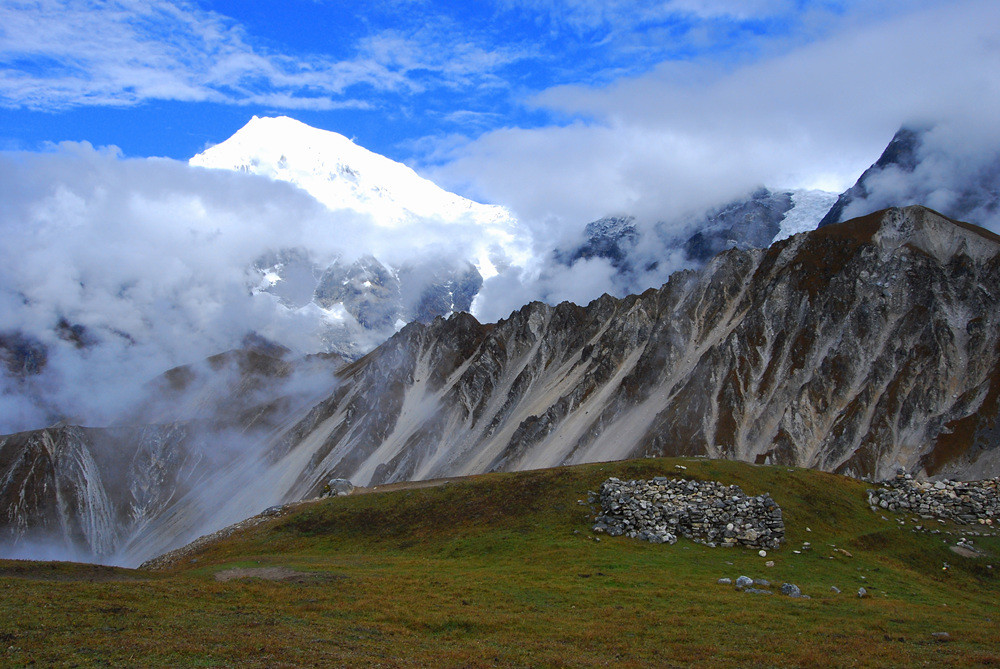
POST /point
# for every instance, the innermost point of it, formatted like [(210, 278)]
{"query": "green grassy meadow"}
[(503, 570)]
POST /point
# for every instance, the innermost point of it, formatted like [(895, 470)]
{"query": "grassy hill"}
[(502, 569)]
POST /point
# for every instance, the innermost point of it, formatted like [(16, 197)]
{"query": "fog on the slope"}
[(199, 449), (119, 269), (236, 410), (957, 173)]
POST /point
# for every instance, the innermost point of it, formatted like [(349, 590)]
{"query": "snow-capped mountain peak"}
[(342, 175)]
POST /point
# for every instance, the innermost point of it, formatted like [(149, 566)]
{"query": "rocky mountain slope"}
[(80, 493), (857, 348)]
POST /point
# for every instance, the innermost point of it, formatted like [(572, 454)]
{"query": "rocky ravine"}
[(857, 348)]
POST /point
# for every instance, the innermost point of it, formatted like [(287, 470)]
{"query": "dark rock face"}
[(901, 154), (913, 170), (749, 222), (20, 355), (611, 237), (743, 224), (379, 297), (368, 290), (429, 292)]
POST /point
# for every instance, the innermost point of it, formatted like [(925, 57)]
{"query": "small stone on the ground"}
[(790, 590)]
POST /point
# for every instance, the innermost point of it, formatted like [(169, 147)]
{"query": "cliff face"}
[(857, 348), (919, 168), (194, 445), (77, 493)]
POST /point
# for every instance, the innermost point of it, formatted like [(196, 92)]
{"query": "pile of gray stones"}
[(760, 586), (963, 502), (707, 512)]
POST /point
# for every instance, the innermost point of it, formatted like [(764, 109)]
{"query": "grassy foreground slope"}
[(502, 569)]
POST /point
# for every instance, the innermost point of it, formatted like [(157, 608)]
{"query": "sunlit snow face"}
[(412, 213)]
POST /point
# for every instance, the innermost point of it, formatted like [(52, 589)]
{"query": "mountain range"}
[(858, 347)]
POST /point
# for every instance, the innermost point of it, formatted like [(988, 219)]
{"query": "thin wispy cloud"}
[(59, 54), (65, 53)]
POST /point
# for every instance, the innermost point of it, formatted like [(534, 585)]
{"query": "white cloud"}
[(627, 15), (58, 54), (688, 136), (65, 53), (151, 258)]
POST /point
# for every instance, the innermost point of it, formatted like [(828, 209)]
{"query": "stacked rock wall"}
[(965, 502), (708, 512)]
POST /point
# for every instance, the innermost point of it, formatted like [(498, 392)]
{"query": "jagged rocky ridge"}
[(857, 348), (707, 512)]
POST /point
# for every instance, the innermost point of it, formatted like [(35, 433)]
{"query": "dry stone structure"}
[(964, 502), (708, 512)]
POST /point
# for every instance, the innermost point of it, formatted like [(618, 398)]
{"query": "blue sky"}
[(803, 92), (166, 78)]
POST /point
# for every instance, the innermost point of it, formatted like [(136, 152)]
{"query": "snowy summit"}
[(342, 175)]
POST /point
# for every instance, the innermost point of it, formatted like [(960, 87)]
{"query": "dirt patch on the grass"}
[(276, 574), (965, 551)]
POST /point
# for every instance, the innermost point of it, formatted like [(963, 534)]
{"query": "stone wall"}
[(707, 512), (964, 502)]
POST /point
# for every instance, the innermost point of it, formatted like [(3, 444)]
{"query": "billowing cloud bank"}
[(114, 270), (689, 134)]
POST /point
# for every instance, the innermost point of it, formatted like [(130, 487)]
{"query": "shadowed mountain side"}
[(916, 168), (69, 492)]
